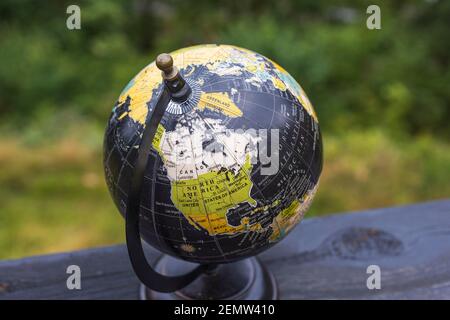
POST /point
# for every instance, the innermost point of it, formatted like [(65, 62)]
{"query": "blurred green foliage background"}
[(382, 97)]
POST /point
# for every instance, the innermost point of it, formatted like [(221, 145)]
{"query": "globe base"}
[(243, 280)]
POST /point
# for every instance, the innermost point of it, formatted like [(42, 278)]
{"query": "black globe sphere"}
[(233, 168)]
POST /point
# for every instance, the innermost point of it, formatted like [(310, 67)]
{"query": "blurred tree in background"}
[(382, 97), (396, 77)]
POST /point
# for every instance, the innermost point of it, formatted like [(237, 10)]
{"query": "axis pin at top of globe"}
[(173, 80), (164, 62)]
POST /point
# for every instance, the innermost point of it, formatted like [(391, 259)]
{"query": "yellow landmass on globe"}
[(200, 54), (140, 91), (277, 83), (301, 95), (141, 88), (158, 138), (206, 200), (219, 101), (211, 55), (285, 220), (290, 83), (288, 218)]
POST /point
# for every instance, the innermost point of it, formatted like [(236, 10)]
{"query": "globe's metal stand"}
[(172, 278), (243, 280)]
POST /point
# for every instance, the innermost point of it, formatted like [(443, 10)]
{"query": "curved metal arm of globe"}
[(142, 268)]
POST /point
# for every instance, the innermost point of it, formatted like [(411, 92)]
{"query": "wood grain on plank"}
[(323, 258)]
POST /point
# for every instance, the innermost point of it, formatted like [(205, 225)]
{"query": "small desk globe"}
[(232, 168)]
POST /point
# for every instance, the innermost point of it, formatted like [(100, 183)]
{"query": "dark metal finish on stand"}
[(245, 279), (242, 280)]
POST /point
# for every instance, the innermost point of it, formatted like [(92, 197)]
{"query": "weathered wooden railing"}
[(322, 258)]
